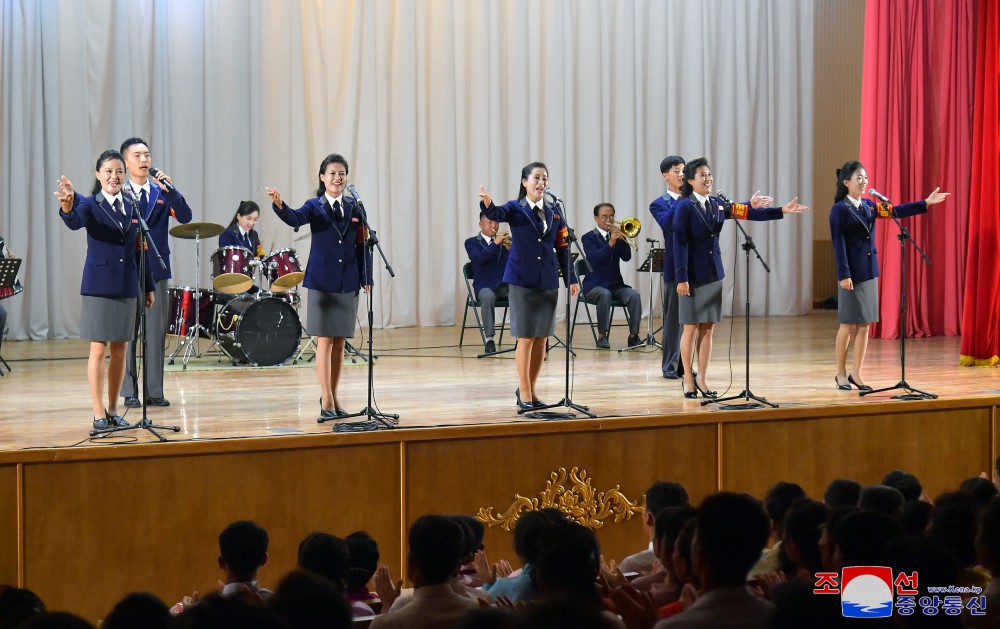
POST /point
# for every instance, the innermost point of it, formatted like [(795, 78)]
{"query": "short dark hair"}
[(802, 524), (17, 605), (597, 208), (906, 483), (663, 494), (954, 526), (569, 561), (482, 215), (690, 169), (526, 531), (139, 609), (732, 530), (332, 158), (779, 497), (882, 498), (363, 551), (669, 523), (325, 555), (915, 516), (842, 492), (473, 530), (243, 545), (669, 162), (981, 489), (436, 546), (861, 537), (302, 598), (129, 142)]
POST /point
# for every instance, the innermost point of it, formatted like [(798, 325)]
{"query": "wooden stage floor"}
[(424, 377)]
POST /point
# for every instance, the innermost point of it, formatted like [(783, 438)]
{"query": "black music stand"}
[(9, 286), (652, 264)]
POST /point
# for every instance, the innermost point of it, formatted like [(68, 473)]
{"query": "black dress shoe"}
[(522, 406), (842, 387), (602, 343), (132, 402), (670, 375), (115, 420), (341, 412), (538, 403), (491, 347), (101, 424), (159, 401), (634, 340), (691, 395), (705, 393), (861, 387)]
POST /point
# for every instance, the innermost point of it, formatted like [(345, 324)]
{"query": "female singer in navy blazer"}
[(852, 229), (110, 271), (339, 262), (697, 260)]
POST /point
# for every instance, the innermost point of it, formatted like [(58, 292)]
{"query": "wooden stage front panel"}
[(83, 525)]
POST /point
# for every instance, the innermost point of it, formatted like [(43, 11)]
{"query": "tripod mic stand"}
[(652, 264), (908, 392), (144, 423), (567, 400), (746, 395)]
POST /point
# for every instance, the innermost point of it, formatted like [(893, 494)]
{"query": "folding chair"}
[(473, 303), (581, 270)]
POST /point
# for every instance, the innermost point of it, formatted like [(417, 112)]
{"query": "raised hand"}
[(636, 608), (160, 177), (485, 197), (65, 194), (482, 566), (386, 589), (937, 196), (275, 196)]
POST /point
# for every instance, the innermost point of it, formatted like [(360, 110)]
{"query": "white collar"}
[(332, 200), (488, 239), (539, 206), (603, 233), (137, 188), (112, 198), (674, 195), (855, 202), (242, 231), (702, 200)]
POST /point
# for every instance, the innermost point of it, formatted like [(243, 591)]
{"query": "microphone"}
[(353, 191), (652, 241), (722, 195), (881, 197), (552, 193), (166, 184)]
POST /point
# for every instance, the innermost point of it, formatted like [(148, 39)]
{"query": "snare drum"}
[(231, 269), (282, 269), (259, 331), (181, 310)]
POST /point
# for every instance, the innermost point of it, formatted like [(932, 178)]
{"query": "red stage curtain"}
[(916, 134), (980, 337)]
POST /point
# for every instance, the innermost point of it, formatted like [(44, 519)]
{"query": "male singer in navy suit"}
[(158, 200), (662, 209), (606, 247), (488, 254)]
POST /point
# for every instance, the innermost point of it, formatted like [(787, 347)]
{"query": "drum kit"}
[(251, 311)]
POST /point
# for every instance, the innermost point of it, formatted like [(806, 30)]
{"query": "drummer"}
[(241, 232)]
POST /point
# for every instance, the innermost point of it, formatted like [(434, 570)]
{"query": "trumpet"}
[(507, 240), (629, 228)]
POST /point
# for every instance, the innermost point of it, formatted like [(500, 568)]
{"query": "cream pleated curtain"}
[(427, 100)]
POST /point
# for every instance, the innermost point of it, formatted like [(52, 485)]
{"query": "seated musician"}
[(241, 232), (606, 247), (488, 252)]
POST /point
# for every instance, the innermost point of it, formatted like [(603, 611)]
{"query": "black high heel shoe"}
[(325, 414), (522, 406), (116, 421), (842, 387), (691, 395), (861, 387), (705, 393)]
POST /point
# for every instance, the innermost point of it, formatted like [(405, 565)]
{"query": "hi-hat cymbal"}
[(197, 230)]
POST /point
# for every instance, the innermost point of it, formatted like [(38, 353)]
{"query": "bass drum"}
[(261, 332)]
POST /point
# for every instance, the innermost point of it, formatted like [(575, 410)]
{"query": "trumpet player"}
[(606, 247), (488, 252)]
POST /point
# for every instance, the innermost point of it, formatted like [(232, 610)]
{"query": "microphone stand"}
[(567, 400), (746, 394), (374, 420), (908, 392), (144, 423)]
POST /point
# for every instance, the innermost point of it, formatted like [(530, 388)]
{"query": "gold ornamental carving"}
[(572, 493)]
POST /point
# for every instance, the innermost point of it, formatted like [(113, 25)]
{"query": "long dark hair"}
[(844, 173), (689, 171), (246, 208), (106, 156), (332, 158), (525, 173)]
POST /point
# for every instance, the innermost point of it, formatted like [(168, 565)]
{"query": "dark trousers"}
[(601, 298), (156, 329), (671, 331), (487, 304)]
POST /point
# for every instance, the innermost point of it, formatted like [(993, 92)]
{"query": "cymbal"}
[(197, 230)]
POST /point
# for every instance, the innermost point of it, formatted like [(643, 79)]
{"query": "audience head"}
[(980, 489), (669, 523), (906, 483), (526, 530), (243, 550), (681, 559), (140, 609), (17, 605), (935, 567), (802, 526), (659, 496), (437, 544), (988, 537), (916, 516), (731, 532), (554, 515), (564, 612), (325, 555), (842, 492), (57, 620), (779, 497), (862, 536), (882, 498), (363, 552), (229, 612), (569, 560), (307, 600), (953, 525), (828, 537), (474, 532)]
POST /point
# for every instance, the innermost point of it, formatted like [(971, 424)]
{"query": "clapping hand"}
[(385, 588)]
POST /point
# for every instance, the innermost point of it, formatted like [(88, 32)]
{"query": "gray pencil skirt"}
[(107, 319), (331, 314), (532, 311), (703, 305), (859, 305)]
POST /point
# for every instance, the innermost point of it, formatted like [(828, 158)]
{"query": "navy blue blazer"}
[(232, 238), (696, 238), (662, 210), (338, 258), (533, 256), (604, 259), (112, 267), (489, 261), (853, 234)]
